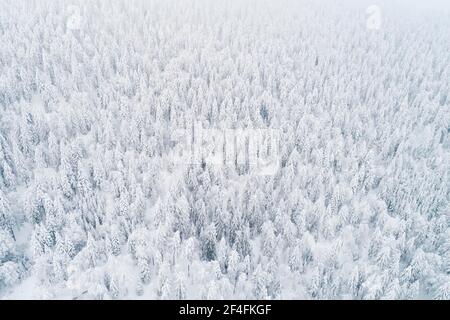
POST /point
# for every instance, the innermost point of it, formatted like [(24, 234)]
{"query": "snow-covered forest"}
[(95, 204)]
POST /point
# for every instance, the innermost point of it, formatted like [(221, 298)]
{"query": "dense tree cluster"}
[(92, 204)]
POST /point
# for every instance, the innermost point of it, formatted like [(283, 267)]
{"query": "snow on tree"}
[(93, 200)]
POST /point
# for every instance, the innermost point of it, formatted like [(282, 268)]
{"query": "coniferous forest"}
[(96, 202)]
